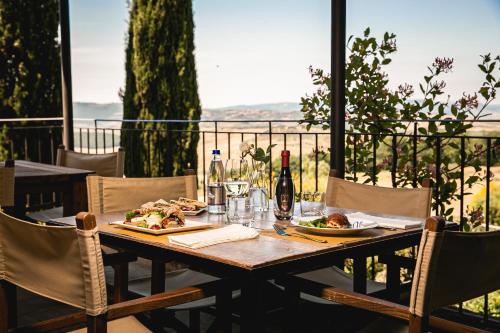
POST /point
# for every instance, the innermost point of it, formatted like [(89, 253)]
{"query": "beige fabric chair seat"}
[(128, 324), (47, 215), (140, 282), (334, 276)]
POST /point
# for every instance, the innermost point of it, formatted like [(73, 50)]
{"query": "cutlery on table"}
[(280, 231)]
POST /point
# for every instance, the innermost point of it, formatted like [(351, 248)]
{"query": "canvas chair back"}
[(7, 184), (412, 202), (106, 194), (61, 263), (453, 267), (106, 165)]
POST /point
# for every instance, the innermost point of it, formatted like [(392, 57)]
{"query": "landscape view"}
[(238, 166)]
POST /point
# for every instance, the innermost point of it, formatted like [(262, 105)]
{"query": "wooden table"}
[(35, 178), (252, 262)]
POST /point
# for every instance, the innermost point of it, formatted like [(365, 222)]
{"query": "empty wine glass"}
[(237, 182)]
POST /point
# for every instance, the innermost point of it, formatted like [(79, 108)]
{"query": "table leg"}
[(79, 190), (8, 306), (223, 299), (359, 266), (393, 281), (252, 319), (68, 199), (292, 303), (19, 209), (157, 285), (75, 198)]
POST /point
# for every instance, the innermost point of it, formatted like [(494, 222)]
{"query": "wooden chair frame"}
[(416, 324), (9, 209), (98, 324)]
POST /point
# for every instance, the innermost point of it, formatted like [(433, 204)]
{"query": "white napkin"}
[(230, 233), (385, 222)]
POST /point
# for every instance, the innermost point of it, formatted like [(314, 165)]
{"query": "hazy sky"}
[(258, 51)]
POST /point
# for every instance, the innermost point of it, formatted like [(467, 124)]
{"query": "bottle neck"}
[(285, 162)]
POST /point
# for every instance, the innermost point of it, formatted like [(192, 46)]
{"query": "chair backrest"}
[(106, 165), (61, 263), (453, 267), (107, 194), (413, 202), (7, 184)]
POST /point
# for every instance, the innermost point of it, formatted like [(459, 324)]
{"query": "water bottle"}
[(216, 194)]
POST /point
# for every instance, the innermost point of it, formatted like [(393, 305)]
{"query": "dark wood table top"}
[(267, 250), (27, 170)]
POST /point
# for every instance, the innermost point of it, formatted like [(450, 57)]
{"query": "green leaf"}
[(484, 91), (268, 150), (366, 33), (386, 61)]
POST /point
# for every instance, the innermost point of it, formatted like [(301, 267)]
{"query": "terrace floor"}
[(33, 308)]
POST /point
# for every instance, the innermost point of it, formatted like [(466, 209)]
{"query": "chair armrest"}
[(399, 261), (365, 302), (111, 259), (162, 300), (373, 304), (127, 308), (153, 302)]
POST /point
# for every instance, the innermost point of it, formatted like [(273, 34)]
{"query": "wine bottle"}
[(285, 190)]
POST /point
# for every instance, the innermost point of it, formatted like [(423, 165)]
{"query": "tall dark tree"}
[(30, 76), (160, 84)]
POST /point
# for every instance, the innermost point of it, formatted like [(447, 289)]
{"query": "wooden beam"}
[(337, 117), (66, 86)]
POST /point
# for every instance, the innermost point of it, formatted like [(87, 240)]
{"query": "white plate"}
[(355, 228), (194, 212), (188, 225)]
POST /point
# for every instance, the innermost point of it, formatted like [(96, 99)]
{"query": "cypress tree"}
[(160, 84), (30, 73)]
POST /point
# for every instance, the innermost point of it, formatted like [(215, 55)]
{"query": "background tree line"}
[(160, 82), (30, 73)]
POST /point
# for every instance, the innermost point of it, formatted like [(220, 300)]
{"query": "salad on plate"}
[(156, 218)]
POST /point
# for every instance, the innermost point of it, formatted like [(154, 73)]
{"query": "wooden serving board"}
[(188, 226)]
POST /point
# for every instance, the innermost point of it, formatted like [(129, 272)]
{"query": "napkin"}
[(230, 233), (385, 222)]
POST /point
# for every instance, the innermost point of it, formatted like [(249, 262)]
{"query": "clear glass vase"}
[(258, 195)]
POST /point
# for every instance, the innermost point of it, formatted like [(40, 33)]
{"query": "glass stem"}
[(235, 200)]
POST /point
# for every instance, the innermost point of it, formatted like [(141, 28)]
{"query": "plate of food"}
[(159, 220), (190, 207), (333, 224)]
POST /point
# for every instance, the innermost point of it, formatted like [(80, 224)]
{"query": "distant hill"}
[(97, 111), (278, 111)]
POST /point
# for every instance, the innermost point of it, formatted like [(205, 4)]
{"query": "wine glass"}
[(236, 182)]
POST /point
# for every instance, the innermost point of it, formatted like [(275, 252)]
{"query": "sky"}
[(259, 51)]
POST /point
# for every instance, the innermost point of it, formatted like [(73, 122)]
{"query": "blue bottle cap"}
[(216, 152)]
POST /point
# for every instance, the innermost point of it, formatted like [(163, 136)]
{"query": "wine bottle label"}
[(285, 197)]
